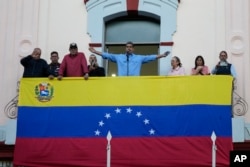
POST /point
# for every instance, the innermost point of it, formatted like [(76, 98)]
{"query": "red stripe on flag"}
[(132, 152)]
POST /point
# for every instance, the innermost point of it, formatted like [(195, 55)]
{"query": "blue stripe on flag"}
[(124, 121)]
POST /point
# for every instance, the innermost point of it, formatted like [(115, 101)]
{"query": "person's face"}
[(129, 48), (174, 62), (223, 56), (92, 59), (36, 54), (54, 58), (199, 62), (73, 51)]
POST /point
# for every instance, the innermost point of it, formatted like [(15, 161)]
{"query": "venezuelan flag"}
[(153, 121)]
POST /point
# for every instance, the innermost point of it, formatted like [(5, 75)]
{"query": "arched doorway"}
[(144, 32), (101, 13)]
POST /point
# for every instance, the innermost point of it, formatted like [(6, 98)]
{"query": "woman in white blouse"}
[(177, 68)]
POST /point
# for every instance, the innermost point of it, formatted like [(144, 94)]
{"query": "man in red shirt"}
[(73, 64)]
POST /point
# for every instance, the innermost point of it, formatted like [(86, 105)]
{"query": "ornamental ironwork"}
[(10, 109)]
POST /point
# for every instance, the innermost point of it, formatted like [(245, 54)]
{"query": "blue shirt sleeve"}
[(147, 58), (109, 56), (233, 71)]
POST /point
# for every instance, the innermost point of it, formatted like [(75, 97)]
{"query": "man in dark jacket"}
[(34, 66), (54, 66), (94, 69)]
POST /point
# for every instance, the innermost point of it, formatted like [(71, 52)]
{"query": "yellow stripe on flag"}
[(124, 91)]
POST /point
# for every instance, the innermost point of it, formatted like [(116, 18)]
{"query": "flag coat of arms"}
[(143, 121)]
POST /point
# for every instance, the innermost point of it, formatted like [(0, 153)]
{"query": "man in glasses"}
[(223, 67)]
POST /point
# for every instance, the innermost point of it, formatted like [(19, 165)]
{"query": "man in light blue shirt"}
[(128, 64)]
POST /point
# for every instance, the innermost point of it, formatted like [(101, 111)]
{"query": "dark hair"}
[(54, 52), (130, 42), (202, 59), (178, 60), (223, 51)]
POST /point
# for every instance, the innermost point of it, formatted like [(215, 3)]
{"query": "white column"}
[(18, 31), (237, 37)]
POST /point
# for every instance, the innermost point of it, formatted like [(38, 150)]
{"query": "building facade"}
[(187, 28)]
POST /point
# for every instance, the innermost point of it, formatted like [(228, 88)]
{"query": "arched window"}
[(140, 21)]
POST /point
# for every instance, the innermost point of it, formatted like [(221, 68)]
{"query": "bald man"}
[(34, 65)]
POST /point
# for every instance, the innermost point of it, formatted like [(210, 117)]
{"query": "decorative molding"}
[(237, 43), (10, 108), (27, 26), (95, 44), (85, 1), (132, 7), (25, 45), (236, 26), (155, 4), (240, 106), (166, 43)]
